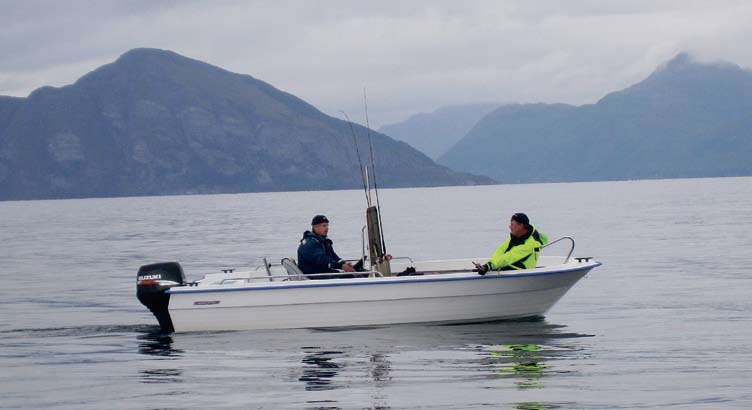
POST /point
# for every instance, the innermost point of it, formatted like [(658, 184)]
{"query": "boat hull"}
[(453, 298)]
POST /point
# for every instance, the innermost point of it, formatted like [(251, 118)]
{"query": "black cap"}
[(318, 219), (521, 218)]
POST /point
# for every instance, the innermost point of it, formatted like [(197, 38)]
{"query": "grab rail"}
[(571, 249), (370, 274), (270, 277), (403, 257)]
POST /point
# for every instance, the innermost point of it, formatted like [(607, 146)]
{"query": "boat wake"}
[(80, 331)]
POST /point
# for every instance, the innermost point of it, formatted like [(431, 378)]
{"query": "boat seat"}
[(293, 271)]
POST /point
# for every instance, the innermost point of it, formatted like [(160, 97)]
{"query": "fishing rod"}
[(373, 170), (363, 171)]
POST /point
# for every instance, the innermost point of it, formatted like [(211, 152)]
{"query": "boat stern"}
[(152, 282)]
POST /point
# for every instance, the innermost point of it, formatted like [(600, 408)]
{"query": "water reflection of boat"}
[(160, 345), (332, 368), (157, 344), (523, 362), (319, 369)]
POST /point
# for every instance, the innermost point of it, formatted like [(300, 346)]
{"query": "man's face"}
[(517, 229), (321, 229)]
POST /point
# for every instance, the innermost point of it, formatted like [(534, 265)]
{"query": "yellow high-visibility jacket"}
[(518, 253)]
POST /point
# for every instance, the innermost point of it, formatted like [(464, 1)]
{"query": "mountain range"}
[(687, 119), (155, 122), (435, 132)]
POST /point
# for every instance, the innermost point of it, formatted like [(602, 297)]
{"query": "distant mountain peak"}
[(685, 74), (152, 64), (680, 60), (147, 51), (686, 62), (435, 132), (689, 118), (144, 54)]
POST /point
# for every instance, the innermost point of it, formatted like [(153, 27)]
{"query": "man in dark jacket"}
[(316, 254)]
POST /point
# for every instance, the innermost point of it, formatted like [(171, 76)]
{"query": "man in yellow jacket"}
[(520, 250)]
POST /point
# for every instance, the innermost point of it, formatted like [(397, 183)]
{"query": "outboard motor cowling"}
[(152, 281)]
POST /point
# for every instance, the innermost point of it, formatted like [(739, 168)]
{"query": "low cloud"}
[(411, 56)]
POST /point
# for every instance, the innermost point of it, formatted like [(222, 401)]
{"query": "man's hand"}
[(481, 269), (347, 267)]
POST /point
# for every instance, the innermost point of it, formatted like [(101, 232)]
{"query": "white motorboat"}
[(279, 296)]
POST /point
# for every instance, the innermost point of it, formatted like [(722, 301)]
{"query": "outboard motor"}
[(151, 283)]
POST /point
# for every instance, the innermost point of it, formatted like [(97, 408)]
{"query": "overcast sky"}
[(411, 56)]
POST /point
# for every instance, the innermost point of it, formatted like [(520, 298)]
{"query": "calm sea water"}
[(664, 323)]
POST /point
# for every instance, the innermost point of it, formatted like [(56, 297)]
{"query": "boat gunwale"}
[(379, 281)]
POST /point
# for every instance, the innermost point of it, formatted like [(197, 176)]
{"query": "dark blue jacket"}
[(316, 254)]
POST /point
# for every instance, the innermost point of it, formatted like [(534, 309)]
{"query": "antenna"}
[(373, 170), (363, 170)]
